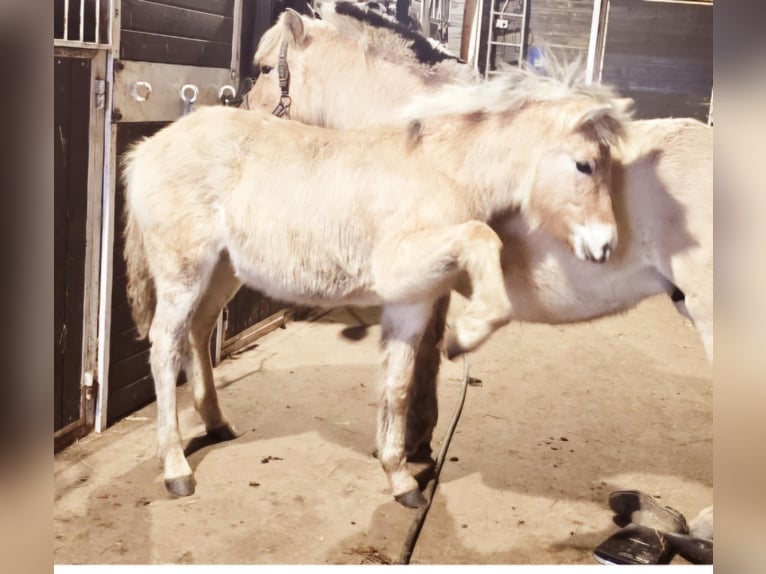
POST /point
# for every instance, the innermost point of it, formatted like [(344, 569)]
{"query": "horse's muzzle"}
[(595, 242)]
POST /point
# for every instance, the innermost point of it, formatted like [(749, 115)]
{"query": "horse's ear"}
[(590, 115), (624, 106), (291, 20), (605, 118)]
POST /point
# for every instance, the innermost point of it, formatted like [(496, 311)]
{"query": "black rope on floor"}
[(428, 492)]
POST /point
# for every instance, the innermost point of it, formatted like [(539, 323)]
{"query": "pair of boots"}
[(651, 533)]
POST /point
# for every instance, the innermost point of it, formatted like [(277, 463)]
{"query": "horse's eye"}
[(584, 167), (266, 69)]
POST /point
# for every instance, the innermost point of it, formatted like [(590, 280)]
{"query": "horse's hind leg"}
[(403, 326), (423, 412), (177, 297), (199, 369)]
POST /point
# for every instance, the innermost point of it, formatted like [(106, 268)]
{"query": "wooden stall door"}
[(72, 81), (168, 43)]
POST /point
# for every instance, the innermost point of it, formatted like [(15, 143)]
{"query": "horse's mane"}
[(423, 51), (515, 87)]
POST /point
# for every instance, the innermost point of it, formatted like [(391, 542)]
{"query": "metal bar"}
[(107, 242), (66, 19), (495, 43), (602, 48), (490, 33), (507, 14), (111, 22), (69, 428), (525, 11), (82, 20), (236, 41), (98, 21), (246, 337), (218, 346), (96, 138), (593, 41), (69, 44)]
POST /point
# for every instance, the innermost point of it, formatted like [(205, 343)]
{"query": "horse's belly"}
[(314, 281)]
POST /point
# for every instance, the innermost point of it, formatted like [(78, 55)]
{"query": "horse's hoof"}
[(222, 434), (411, 499), (181, 486), (452, 348)]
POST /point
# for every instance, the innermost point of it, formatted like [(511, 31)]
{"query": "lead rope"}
[(428, 492)]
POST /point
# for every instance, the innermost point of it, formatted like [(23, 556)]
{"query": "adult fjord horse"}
[(388, 215), (662, 174), (662, 186)]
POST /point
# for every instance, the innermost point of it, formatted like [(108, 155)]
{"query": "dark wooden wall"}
[(562, 25), (71, 115), (186, 32), (661, 55), (130, 379)]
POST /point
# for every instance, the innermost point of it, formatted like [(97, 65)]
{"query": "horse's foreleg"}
[(427, 264), (424, 410), (700, 310), (403, 326), (692, 273), (199, 370), (488, 306)]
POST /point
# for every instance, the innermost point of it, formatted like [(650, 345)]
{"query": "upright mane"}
[(514, 87), (391, 36)]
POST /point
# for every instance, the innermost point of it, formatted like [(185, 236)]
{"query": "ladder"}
[(507, 33)]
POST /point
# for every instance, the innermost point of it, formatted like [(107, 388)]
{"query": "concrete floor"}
[(564, 415)]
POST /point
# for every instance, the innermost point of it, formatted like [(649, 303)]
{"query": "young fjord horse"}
[(388, 216)]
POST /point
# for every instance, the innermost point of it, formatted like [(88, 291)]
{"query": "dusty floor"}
[(564, 416)]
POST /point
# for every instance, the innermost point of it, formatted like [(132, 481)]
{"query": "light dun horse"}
[(663, 175), (389, 216), (662, 186)]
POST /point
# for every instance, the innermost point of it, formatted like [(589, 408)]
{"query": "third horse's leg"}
[(424, 409), (199, 370), (402, 326)]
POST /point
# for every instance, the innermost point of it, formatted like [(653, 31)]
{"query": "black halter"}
[(283, 107)]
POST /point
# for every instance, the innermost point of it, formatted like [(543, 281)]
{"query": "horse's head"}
[(540, 145), (569, 195), (282, 45), (350, 68)]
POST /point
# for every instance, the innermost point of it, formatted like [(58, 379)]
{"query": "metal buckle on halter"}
[(283, 107)]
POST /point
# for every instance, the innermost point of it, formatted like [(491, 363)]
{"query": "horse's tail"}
[(141, 294)]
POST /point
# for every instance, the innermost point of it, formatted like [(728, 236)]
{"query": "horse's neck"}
[(374, 91), (493, 166)]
